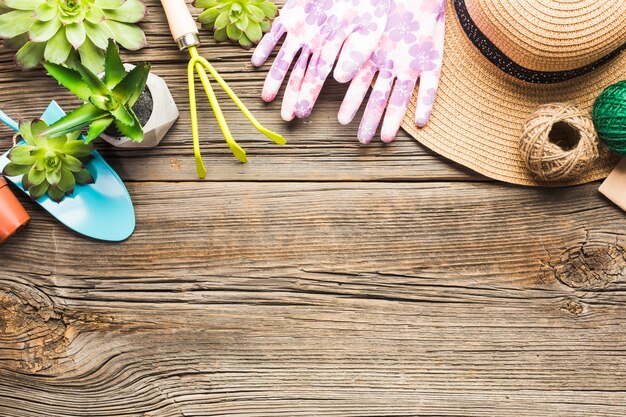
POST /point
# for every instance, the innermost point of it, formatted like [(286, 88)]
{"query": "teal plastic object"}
[(102, 210)]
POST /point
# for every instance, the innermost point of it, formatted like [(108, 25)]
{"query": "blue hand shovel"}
[(102, 210)]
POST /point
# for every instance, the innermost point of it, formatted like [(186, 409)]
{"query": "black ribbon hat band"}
[(506, 64)]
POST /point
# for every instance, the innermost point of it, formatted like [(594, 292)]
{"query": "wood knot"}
[(33, 333), (572, 306), (591, 265)]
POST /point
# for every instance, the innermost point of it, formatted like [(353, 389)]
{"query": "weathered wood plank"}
[(319, 149), (351, 299)]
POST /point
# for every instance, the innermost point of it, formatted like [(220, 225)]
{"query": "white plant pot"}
[(164, 115)]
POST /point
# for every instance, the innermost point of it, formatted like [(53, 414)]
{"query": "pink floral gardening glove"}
[(318, 29), (410, 49)]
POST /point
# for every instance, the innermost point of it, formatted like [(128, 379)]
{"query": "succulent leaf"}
[(242, 21), (109, 99), (114, 70), (98, 126), (61, 30), (52, 165), (37, 191), (70, 79), (130, 88)]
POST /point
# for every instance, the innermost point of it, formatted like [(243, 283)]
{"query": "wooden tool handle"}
[(179, 18)]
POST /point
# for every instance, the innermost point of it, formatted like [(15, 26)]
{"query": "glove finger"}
[(357, 49), (375, 109), (426, 95), (319, 68), (279, 69), (294, 85), (267, 44), (429, 80), (356, 93), (396, 110)]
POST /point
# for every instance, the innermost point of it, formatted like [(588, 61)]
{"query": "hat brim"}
[(480, 110)]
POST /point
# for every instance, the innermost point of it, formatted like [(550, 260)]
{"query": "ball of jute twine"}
[(564, 157)]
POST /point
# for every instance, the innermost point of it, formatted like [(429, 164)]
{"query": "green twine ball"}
[(609, 117)]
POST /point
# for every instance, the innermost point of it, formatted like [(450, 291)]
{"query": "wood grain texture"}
[(323, 278)]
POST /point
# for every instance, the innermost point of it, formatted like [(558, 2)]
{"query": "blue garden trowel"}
[(102, 210)]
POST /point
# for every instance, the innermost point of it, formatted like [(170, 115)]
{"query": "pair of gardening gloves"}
[(400, 41)]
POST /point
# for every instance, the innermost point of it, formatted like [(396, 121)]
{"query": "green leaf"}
[(13, 170), (30, 55), (255, 13), (221, 21), (45, 12), (269, 9), (209, 16), (71, 163), (83, 177), (75, 120), (123, 115), (15, 23), (109, 4), (114, 70), (205, 4), (36, 176), (57, 142), (23, 4), (128, 35), (95, 84), (78, 148), (26, 133), (36, 127), (95, 15), (41, 31), (244, 42), (233, 32), (21, 155), (97, 127), (254, 32), (243, 23), (53, 177), (57, 49), (37, 191), (220, 35), (132, 11), (76, 34), (91, 56), (130, 88), (70, 79), (133, 132), (98, 34), (67, 181), (55, 193)]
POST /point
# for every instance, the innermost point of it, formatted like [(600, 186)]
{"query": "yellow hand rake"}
[(185, 33)]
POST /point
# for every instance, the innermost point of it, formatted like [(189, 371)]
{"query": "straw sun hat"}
[(503, 59)]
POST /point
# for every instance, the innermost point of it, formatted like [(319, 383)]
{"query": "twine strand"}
[(549, 161)]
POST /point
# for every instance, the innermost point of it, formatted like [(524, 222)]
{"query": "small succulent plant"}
[(65, 31), (49, 165), (108, 100), (242, 21)]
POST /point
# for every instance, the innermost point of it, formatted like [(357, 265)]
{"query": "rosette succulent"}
[(65, 31), (108, 100), (242, 21), (49, 165)]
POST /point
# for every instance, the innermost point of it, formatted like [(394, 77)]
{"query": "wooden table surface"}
[(322, 278)]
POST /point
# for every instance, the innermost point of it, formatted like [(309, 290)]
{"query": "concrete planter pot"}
[(164, 114)]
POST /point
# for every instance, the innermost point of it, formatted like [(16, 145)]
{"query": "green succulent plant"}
[(242, 21), (108, 100), (65, 31), (49, 165)]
